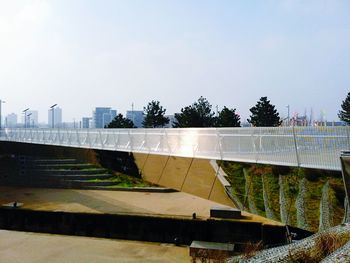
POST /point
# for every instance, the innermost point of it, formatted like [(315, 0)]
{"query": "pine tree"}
[(344, 114), (120, 122), (228, 118), (264, 114), (198, 114), (154, 115)]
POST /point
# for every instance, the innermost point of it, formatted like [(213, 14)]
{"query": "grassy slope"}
[(272, 189), (315, 181), (255, 173), (235, 175)]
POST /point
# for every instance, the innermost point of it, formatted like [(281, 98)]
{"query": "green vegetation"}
[(236, 178), (291, 186), (122, 180), (228, 118), (264, 114), (199, 114), (255, 173), (337, 195), (313, 203), (154, 115), (272, 188), (314, 180), (344, 114), (120, 122)]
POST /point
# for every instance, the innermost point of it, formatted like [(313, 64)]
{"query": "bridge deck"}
[(312, 147)]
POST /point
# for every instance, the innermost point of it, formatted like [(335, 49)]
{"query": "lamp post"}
[(25, 117), (30, 114), (1, 102), (53, 115)]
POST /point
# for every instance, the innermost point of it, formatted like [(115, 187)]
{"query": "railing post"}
[(219, 143), (347, 134), (296, 146)]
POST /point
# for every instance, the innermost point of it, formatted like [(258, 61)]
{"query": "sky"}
[(83, 54)]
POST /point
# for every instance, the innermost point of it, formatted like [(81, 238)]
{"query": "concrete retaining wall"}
[(139, 227), (193, 176)]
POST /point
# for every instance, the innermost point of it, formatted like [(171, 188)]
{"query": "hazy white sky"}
[(84, 54)]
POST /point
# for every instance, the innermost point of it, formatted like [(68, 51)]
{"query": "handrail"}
[(312, 147)]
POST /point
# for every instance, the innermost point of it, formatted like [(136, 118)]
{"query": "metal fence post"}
[(347, 134), (296, 146)]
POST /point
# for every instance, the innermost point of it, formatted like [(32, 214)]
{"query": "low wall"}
[(139, 227)]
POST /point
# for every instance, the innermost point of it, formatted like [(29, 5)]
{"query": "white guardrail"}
[(312, 147)]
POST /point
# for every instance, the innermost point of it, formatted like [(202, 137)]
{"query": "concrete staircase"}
[(63, 173)]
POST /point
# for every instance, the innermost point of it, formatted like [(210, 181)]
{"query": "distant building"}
[(299, 121), (103, 116), (32, 119), (57, 117), (86, 122), (329, 123), (136, 116), (11, 120)]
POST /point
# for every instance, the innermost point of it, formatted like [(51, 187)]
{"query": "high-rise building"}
[(57, 117), (32, 118), (11, 120), (86, 122), (102, 116), (136, 116)]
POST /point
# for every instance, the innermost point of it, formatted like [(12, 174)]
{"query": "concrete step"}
[(34, 172), (53, 182), (79, 177), (73, 166), (58, 178), (83, 183), (54, 161)]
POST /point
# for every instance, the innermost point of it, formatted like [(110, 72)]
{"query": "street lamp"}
[(30, 114), (25, 117), (53, 115), (1, 102)]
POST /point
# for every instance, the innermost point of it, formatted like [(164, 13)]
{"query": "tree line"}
[(200, 114)]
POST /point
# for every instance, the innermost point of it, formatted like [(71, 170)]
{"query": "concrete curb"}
[(134, 189)]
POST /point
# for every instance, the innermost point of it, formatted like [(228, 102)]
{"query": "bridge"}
[(309, 147)]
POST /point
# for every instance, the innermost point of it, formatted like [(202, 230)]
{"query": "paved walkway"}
[(115, 202), (18, 247)]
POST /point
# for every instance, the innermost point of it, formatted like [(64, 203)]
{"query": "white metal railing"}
[(313, 147)]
